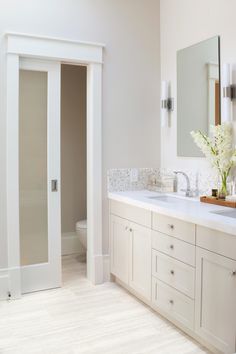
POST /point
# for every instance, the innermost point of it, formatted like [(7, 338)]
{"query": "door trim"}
[(71, 52)]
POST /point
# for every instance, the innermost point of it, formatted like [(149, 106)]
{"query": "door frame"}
[(70, 52)]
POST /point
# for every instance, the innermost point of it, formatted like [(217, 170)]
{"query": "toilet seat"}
[(81, 224)]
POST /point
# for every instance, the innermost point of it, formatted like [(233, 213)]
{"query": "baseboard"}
[(70, 244), (4, 284), (98, 268)]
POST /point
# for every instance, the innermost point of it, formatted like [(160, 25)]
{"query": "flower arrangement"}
[(218, 149)]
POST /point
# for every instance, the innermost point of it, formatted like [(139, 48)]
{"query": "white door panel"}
[(140, 260), (119, 248), (39, 164), (215, 300)]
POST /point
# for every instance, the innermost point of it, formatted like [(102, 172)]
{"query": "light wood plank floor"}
[(81, 318)]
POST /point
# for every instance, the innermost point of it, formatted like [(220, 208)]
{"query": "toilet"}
[(81, 231)]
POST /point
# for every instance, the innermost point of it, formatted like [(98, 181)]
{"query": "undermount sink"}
[(227, 213), (165, 198)]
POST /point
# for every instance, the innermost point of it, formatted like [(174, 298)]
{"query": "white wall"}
[(130, 31), (183, 23), (73, 146)]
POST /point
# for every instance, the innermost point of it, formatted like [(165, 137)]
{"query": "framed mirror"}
[(198, 93)]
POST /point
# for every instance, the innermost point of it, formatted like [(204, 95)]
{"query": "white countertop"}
[(187, 209)]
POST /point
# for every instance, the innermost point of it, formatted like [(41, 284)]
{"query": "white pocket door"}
[(39, 175)]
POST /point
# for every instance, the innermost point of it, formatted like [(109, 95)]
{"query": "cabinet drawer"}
[(132, 213), (175, 304), (216, 241), (174, 227), (175, 273), (173, 247)]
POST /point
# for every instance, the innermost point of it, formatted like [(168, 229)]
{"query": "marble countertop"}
[(187, 209)]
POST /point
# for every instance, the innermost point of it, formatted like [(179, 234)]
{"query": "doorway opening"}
[(73, 171)]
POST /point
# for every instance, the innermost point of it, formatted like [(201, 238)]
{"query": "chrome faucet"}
[(188, 192)]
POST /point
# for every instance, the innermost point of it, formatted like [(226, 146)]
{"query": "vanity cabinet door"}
[(216, 300), (140, 260), (119, 237)]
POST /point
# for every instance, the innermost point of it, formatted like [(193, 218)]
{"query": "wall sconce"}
[(229, 91), (167, 103)]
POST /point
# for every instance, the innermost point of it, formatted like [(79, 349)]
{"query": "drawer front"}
[(175, 304), (174, 273), (173, 227), (216, 241), (132, 213), (173, 247)]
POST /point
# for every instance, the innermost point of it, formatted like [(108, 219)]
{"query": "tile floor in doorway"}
[(81, 318)]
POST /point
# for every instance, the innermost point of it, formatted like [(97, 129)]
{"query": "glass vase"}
[(223, 187)]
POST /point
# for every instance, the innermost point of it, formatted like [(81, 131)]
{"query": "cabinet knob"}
[(171, 302), (172, 272), (171, 226), (171, 247), (233, 273), (130, 230)]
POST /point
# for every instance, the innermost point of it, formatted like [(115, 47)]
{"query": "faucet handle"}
[(192, 192), (188, 192)]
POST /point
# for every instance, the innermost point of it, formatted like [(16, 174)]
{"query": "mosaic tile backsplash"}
[(125, 179), (120, 180)]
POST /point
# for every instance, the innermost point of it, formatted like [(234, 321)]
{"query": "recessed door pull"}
[(54, 185)]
